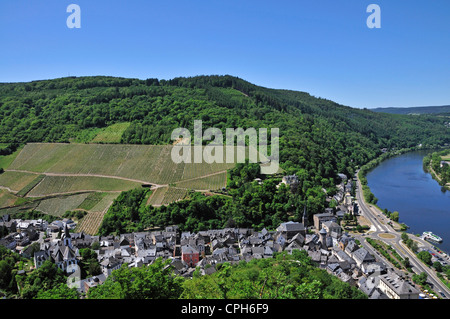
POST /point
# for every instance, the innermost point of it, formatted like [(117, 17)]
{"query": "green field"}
[(6, 160), (211, 182), (24, 191), (111, 134), (57, 177)]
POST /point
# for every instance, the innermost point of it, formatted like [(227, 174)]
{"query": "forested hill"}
[(416, 110), (318, 137)]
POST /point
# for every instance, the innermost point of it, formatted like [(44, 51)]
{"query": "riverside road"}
[(381, 230)]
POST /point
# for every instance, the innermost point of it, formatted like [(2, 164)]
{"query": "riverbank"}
[(438, 165), (402, 184), (370, 197)]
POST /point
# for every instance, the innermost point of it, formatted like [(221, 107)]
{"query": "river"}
[(401, 184)]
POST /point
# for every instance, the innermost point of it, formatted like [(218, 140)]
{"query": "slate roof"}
[(400, 286), (291, 227), (187, 249), (362, 255)]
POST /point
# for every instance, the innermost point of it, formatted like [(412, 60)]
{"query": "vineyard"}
[(16, 181), (90, 223), (111, 134), (59, 177), (166, 195), (143, 163), (57, 206), (6, 198), (70, 184), (212, 182)]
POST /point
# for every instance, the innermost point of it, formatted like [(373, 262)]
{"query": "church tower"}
[(66, 237), (323, 238), (305, 218)]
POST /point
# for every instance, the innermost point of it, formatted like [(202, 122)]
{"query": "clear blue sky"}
[(323, 47)]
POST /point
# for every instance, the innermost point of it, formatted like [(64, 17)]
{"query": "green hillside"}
[(313, 130), (318, 138)]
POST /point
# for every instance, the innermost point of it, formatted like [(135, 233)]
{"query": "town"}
[(324, 240)]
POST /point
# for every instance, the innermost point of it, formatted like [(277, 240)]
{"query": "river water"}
[(401, 184)]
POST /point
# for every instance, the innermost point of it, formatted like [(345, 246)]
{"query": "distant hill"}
[(445, 109)]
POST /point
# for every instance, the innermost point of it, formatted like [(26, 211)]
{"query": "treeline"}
[(8, 149), (441, 171)]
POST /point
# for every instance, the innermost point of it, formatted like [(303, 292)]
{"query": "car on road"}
[(442, 294)]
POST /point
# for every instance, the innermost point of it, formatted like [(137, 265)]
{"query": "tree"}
[(420, 279), (425, 256), (395, 216), (95, 245), (89, 262), (404, 237), (5, 274), (155, 281), (438, 266), (44, 278), (406, 262), (61, 291)]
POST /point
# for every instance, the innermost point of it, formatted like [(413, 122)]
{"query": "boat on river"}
[(429, 236)]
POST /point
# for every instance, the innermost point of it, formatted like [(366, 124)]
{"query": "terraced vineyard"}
[(57, 206), (166, 195), (16, 181), (51, 185), (6, 198), (139, 163), (213, 181), (59, 177), (90, 223)]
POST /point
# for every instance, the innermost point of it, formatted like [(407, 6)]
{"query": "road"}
[(380, 230)]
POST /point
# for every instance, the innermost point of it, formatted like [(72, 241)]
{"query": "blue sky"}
[(322, 47)]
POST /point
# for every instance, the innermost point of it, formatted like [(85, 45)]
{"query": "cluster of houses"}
[(343, 194), (324, 241)]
